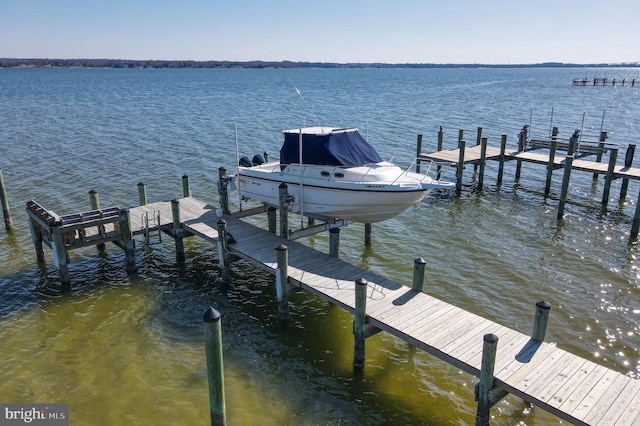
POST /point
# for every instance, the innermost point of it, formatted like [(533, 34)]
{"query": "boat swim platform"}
[(573, 388)]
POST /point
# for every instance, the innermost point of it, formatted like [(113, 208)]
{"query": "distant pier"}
[(604, 82)]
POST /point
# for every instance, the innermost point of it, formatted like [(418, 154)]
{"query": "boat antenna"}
[(305, 102), (235, 126)]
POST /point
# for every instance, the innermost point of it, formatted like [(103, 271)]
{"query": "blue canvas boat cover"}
[(328, 147)]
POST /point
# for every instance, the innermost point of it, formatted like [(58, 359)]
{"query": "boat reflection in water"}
[(340, 176)]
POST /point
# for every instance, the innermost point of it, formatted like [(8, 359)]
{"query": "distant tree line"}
[(126, 63)]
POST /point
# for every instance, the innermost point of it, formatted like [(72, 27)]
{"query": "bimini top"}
[(327, 146)]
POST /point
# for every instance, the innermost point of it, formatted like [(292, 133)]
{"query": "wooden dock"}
[(544, 152), (572, 388)]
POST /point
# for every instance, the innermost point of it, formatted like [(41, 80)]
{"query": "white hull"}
[(360, 194)]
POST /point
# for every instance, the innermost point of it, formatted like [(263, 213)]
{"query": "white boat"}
[(340, 176)]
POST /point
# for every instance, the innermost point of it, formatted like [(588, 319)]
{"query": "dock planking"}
[(570, 387)]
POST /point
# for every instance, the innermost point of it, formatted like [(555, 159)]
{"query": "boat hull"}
[(364, 202)]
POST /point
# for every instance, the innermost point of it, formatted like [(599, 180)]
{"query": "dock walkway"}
[(570, 387)]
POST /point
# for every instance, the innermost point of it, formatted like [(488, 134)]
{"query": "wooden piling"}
[(603, 139), (613, 158), (142, 194), (6, 211), (283, 196), (541, 320), (215, 366), (519, 162), (334, 242), (635, 226), (223, 257), (478, 142), (440, 144), (223, 182), (483, 160), (94, 202), (550, 166), (367, 234), (418, 274), (503, 150), (271, 219), (282, 281), (127, 238), (186, 186), (60, 255), (418, 152), (485, 385), (460, 168), (360, 319), (177, 229), (628, 162), (36, 238), (568, 164)]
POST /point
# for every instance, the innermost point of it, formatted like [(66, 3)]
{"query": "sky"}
[(343, 31)]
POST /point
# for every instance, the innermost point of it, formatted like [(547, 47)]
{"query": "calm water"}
[(129, 349)]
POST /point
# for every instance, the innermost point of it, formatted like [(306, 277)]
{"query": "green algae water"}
[(125, 349)]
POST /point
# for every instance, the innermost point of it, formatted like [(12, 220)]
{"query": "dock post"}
[(613, 158), (360, 319), (334, 242), (628, 161), (186, 186), (503, 149), (418, 152), (223, 257), (177, 229), (485, 385), (521, 143), (550, 165), (6, 212), (284, 210), (94, 202), (36, 238), (603, 139), (461, 146), (127, 239), (367, 234), (60, 255), (223, 191), (418, 274), (215, 366), (540, 321), (271, 219), (568, 164), (478, 142), (440, 139), (142, 193), (483, 160), (282, 279), (635, 226)]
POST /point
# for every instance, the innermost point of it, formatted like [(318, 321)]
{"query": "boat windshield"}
[(337, 147)]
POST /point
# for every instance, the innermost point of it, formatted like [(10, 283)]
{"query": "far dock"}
[(603, 82)]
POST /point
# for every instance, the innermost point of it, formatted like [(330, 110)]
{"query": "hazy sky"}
[(392, 31)]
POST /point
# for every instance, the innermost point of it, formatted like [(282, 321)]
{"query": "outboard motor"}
[(257, 160), (245, 162)]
